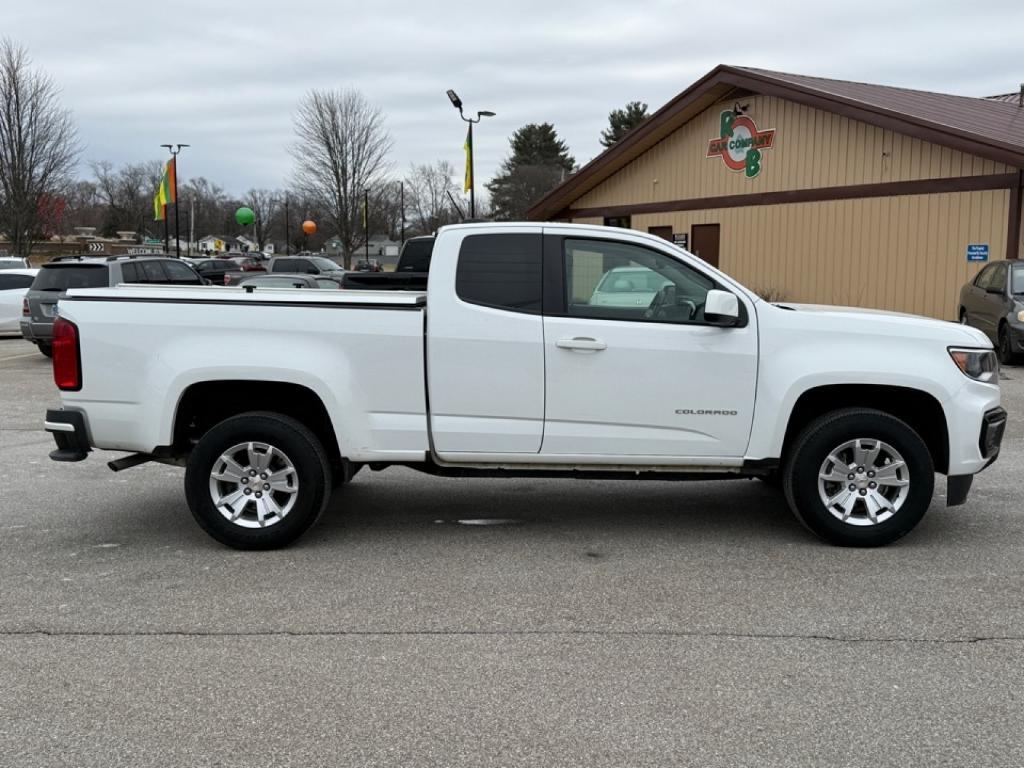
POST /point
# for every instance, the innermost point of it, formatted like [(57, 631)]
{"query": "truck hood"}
[(884, 322)]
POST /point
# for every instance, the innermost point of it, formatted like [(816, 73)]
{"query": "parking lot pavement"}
[(615, 624)]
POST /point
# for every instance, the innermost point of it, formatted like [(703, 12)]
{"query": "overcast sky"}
[(226, 77)]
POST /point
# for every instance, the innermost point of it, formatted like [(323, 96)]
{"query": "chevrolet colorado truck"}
[(513, 363)]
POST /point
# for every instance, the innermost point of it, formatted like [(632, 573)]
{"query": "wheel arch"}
[(204, 404), (921, 411)]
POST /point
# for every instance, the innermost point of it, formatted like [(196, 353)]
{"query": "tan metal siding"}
[(904, 253), (812, 149)]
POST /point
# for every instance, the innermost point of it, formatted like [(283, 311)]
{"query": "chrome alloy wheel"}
[(254, 485), (863, 482)]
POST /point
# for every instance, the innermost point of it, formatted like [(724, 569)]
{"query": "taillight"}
[(67, 362), (25, 311)]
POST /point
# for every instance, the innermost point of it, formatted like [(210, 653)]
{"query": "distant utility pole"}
[(287, 230)]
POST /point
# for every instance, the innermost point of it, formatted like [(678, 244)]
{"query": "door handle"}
[(581, 344)]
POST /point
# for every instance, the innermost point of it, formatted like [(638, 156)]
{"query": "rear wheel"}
[(859, 477), (257, 481), (46, 349)]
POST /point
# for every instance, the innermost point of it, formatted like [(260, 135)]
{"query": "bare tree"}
[(38, 145), (265, 203), (128, 194), (427, 188), (341, 150)]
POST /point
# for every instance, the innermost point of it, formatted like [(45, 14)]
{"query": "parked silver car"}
[(993, 302), (290, 281)]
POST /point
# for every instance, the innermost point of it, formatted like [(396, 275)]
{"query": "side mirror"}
[(994, 289), (721, 308)]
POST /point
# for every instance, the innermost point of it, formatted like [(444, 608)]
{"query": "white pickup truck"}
[(512, 362)]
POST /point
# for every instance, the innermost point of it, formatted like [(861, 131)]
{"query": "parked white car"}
[(628, 287), (14, 284), (272, 397)]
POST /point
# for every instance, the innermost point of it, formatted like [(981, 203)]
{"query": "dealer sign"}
[(741, 143)]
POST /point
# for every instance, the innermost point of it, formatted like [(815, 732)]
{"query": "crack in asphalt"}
[(508, 633)]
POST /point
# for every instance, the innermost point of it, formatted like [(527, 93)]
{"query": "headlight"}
[(978, 364), (1020, 316)]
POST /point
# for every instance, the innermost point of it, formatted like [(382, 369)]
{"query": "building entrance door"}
[(704, 242)]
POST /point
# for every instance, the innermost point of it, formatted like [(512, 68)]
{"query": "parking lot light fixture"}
[(453, 97)]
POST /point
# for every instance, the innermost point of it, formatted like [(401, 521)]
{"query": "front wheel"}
[(859, 477), (257, 481), (1005, 346)]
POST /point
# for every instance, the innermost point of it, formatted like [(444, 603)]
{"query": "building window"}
[(618, 221)]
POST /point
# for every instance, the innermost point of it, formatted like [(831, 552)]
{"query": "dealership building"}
[(817, 190)]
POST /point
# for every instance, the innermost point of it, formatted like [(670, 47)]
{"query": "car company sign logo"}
[(740, 143)]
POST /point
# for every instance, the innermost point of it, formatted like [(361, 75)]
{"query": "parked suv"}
[(65, 272), (993, 302)]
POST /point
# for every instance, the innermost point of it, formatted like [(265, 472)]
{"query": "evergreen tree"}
[(539, 161), (622, 121)]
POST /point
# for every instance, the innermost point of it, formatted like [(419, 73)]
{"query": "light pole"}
[(174, 149), (453, 97)]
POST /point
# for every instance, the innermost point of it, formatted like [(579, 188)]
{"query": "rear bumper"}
[(69, 432), (35, 331)]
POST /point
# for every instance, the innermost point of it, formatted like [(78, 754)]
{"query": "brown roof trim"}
[(715, 85), (817, 194)]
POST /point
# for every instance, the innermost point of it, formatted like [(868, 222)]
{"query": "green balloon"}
[(244, 216)]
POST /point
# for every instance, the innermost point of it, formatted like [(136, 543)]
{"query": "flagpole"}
[(472, 177), (174, 149), (177, 217), (167, 232)]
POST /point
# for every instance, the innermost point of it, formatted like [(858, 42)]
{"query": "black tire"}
[(46, 349), (1004, 346), (812, 448), (296, 442)]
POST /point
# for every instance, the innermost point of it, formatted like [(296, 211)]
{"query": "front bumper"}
[(990, 439), (69, 432), (37, 332)]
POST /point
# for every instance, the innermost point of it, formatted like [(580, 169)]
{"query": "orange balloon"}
[(309, 227)]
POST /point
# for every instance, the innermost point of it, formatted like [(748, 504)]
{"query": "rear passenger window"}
[(502, 271), (129, 273), (152, 272), (11, 282)]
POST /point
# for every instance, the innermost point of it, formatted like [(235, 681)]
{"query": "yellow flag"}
[(468, 184)]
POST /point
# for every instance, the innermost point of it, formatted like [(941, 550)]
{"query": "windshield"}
[(59, 277), (1017, 280), (323, 263)]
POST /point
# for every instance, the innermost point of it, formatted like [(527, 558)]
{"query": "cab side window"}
[(502, 271), (607, 280)]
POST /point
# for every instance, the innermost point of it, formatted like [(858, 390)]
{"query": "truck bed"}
[(142, 347)]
